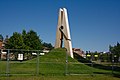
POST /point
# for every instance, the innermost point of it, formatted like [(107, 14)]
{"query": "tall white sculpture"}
[(63, 32)]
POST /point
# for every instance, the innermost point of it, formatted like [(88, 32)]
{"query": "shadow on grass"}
[(99, 66), (107, 73)]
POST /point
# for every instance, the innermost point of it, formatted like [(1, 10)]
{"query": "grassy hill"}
[(52, 64)]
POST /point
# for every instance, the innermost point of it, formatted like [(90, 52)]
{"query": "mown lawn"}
[(52, 66), (68, 77)]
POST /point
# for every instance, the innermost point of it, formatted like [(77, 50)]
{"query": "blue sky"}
[(94, 24)]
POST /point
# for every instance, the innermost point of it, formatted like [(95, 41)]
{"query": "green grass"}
[(52, 66), (69, 77)]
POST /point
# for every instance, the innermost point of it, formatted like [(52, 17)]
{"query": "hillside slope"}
[(53, 63)]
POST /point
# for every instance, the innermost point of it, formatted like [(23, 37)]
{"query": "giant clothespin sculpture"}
[(63, 32)]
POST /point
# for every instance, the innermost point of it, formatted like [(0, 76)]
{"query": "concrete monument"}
[(63, 32)]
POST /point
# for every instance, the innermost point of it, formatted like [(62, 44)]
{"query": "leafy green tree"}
[(15, 41), (27, 40), (31, 40), (48, 45), (115, 51)]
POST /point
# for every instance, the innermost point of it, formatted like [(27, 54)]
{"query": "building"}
[(3, 55), (78, 51), (1, 42)]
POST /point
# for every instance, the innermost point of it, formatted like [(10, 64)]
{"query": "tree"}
[(24, 36), (26, 40), (31, 40), (48, 45), (115, 51), (15, 41)]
